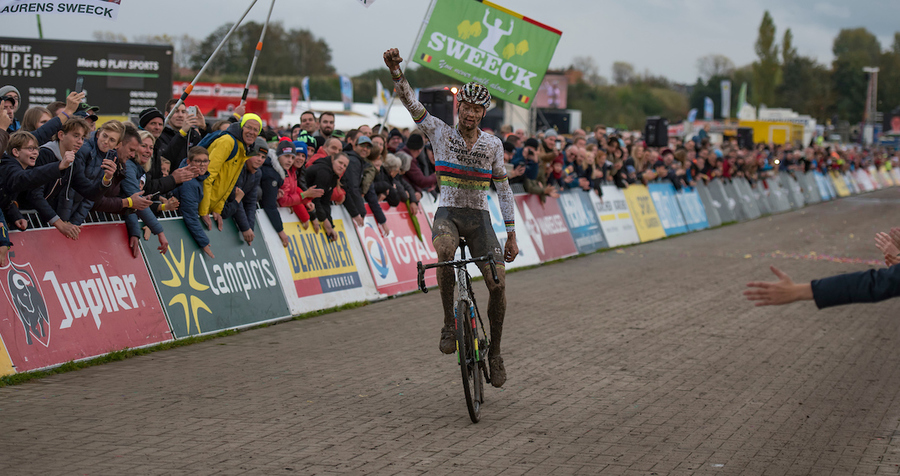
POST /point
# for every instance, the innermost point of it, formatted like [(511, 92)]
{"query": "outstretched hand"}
[(779, 292)]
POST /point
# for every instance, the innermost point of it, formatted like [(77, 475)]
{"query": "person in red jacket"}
[(291, 161)]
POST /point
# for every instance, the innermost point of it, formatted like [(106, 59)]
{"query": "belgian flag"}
[(524, 99), (426, 57)]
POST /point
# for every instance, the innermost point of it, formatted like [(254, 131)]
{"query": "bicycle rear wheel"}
[(473, 386)]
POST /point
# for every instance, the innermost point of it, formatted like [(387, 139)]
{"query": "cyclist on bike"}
[(466, 160)]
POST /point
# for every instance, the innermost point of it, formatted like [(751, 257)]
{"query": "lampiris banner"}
[(66, 300), (476, 40), (201, 294)]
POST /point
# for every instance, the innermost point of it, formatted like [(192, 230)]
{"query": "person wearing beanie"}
[(151, 120), (395, 140), (421, 181), (227, 156)]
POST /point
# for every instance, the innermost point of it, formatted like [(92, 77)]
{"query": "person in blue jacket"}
[(241, 204), (190, 194), (873, 285)]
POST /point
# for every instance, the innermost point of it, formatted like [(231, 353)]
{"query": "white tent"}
[(360, 114)]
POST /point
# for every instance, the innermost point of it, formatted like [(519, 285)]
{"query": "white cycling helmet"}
[(474, 93)]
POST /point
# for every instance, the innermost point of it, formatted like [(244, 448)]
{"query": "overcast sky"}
[(664, 37)]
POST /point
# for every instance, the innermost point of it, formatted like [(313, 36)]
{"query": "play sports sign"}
[(473, 40)]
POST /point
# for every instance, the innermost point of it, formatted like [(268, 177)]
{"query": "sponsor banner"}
[(69, 300), (895, 174), (692, 209), (855, 186), (710, 206), (478, 41), (218, 90), (646, 220), (758, 192), (663, 195), (201, 294), (751, 202), (885, 177), (6, 365), (823, 185), (615, 218), (106, 9), (728, 209), (778, 201), (392, 259), (346, 92), (582, 220), (840, 186), (527, 254), (546, 227), (863, 180), (810, 187), (795, 194), (119, 78), (317, 273)]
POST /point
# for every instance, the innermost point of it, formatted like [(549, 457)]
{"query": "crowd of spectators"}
[(58, 163)]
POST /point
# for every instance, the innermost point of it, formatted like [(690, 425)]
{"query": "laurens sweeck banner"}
[(475, 40), (108, 9)]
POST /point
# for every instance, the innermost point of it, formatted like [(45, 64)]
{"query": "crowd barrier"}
[(71, 300)]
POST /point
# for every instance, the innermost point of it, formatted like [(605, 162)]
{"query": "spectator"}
[(55, 107), (416, 176), (35, 117), (395, 141), (325, 129), (352, 182), (68, 141), (241, 205), (190, 195), (308, 122), (192, 129), (92, 159), (22, 184), (151, 120), (227, 155), (10, 99), (406, 190), (274, 174), (324, 174), (132, 184)]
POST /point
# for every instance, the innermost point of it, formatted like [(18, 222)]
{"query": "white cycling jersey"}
[(464, 175)]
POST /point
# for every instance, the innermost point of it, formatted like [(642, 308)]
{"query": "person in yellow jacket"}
[(227, 155)]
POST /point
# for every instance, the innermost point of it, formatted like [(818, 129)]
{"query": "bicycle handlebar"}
[(456, 263)]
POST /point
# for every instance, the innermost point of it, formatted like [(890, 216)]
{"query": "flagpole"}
[(187, 90), (256, 54), (387, 113)]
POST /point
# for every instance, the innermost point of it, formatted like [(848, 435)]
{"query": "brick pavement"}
[(641, 361)]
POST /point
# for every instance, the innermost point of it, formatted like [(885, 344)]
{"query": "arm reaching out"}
[(780, 292)]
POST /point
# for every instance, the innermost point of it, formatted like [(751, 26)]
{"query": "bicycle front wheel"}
[(468, 355)]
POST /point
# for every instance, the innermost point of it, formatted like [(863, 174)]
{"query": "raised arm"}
[(424, 121)]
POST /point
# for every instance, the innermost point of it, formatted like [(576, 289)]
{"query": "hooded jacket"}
[(26, 185), (190, 194), (224, 172), (273, 176), (321, 174)]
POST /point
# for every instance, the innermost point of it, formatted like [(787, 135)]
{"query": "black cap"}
[(148, 115), (531, 142), (507, 147)]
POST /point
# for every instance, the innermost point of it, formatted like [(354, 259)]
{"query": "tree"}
[(185, 46), (714, 65), (284, 53), (788, 52), (109, 37), (806, 87), (853, 49), (623, 73), (590, 72), (767, 70)]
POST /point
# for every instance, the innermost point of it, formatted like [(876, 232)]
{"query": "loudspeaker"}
[(745, 138), (438, 102), (558, 119), (656, 132)]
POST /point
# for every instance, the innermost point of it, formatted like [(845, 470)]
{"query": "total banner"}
[(69, 300), (392, 259), (201, 294), (663, 195), (527, 253), (646, 220), (692, 209), (317, 273), (582, 220), (615, 218), (476, 40), (546, 226)]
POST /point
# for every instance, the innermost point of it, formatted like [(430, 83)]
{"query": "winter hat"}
[(300, 147), (285, 147), (261, 145), (251, 117), (531, 142), (8, 89), (415, 142), (148, 115)]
